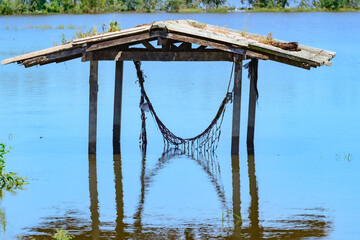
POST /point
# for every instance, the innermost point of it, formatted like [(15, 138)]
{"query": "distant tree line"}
[(94, 6), (317, 4)]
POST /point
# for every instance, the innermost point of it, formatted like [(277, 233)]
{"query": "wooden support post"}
[(253, 68), (93, 82), (236, 108), (117, 103)]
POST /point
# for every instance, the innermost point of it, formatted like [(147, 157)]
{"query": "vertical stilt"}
[(253, 68), (93, 81), (236, 108), (117, 103), (235, 165), (94, 201)]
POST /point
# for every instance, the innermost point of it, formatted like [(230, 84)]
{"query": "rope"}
[(206, 141)]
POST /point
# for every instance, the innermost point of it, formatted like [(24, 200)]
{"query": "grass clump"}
[(197, 24)]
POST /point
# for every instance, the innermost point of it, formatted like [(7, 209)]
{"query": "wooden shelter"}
[(181, 40)]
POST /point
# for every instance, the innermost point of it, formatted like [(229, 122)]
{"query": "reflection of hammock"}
[(206, 141), (209, 164)]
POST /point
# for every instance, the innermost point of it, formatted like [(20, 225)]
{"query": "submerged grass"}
[(191, 10), (218, 10)]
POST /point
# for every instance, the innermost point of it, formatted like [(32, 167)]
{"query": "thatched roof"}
[(213, 44)]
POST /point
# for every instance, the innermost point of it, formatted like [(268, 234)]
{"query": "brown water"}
[(300, 181)]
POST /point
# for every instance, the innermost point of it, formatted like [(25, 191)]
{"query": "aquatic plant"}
[(10, 180), (70, 27), (61, 234), (46, 27), (61, 26)]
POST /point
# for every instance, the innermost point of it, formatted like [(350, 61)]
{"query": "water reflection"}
[(308, 224), (94, 201), (254, 228), (119, 196), (208, 163)]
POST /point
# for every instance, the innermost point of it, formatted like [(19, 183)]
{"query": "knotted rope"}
[(206, 141)]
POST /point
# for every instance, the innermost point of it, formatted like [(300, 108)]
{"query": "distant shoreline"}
[(188, 10)]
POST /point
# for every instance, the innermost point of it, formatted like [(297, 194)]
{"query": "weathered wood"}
[(159, 55), (117, 101), (55, 57), (93, 82), (291, 62), (184, 46), (198, 41), (37, 53), (185, 27), (236, 108), (112, 35), (189, 31), (253, 70), (148, 45), (251, 54), (289, 46), (300, 56), (134, 39)]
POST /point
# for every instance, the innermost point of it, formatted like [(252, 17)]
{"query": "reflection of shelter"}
[(307, 225), (182, 40)]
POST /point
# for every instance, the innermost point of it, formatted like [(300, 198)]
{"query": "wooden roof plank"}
[(37, 53), (224, 39), (173, 26), (138, 38), (111, 35)]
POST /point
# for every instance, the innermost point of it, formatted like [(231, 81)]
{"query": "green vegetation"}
[(301, 6), (8, 181), (8, 7), (62, 235)]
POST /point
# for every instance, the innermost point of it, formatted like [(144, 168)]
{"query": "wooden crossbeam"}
[(158, 55), (148, 45)]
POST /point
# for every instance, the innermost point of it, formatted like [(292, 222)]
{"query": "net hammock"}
[(207, 141)]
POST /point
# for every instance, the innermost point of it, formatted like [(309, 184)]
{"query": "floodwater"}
[(301, 181)]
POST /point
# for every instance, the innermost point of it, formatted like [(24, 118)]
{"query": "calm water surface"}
[(301, 181)]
